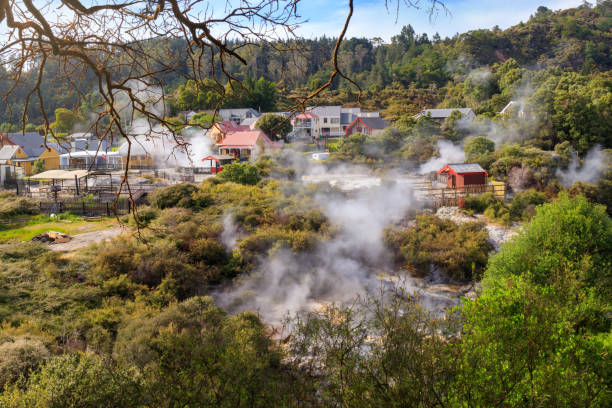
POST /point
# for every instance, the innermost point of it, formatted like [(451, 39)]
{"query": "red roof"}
[(246, 139), (305, 115), (231, 126), (463, 168)]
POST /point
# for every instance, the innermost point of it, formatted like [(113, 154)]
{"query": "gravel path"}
[(82, 240)]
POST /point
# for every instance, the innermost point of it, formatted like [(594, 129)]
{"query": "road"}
[(79, 241)]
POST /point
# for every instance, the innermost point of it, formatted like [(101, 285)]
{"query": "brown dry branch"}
[(124, 46)]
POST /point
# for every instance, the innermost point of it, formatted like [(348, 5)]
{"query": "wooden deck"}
[(436, 196)]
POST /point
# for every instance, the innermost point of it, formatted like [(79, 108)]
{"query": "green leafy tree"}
[(241, 173), (275, 126), (478, 147), (39, 166), (65, 120)]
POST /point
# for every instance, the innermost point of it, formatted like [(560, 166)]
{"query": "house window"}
[(335, 120), (324, 120)]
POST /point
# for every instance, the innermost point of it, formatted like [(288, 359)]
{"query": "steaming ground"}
[(354, 262)]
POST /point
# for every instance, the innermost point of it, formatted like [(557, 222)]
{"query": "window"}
[(335, 120), (324, 120)]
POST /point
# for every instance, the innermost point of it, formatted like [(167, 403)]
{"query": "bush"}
[(523, 204), (180, 195), (77, 380), (12, 205), (241, 173), (461, 250), (490, 206), (19, 356)]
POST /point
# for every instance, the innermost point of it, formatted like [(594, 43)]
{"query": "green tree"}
[(275, 126), (78, 380), (478, 147), (65, 120), (241, 173), (39, 166)]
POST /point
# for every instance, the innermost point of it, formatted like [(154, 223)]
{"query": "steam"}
[(230, 234), (448, 152), (595, 163), (161, 144), (336, 270)]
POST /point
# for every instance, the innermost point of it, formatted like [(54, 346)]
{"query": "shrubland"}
[(128, 321)]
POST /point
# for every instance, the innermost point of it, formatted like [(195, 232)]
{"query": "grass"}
[(65, 223)]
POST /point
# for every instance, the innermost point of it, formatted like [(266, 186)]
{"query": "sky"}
[(371, 19)]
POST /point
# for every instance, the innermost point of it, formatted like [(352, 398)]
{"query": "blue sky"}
[(371, 19)]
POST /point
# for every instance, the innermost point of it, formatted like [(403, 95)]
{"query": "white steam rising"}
[(595, 162), (448, 152), (337, 270)]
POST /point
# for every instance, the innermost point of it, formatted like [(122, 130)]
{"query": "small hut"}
[(216, 163), (463, 174)]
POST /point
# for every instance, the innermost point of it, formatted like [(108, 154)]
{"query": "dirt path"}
[(82, 240)]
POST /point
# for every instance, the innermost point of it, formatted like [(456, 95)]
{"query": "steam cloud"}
[(448, 152), (595, 162), (350, 263)]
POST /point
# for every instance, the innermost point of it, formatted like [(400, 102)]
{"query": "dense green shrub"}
[(523, 204), (492, 207), (461, 250), (78, 380), (19, 356), (179, 195), (241, 173)]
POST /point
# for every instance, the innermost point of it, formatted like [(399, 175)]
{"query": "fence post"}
[(83, 205), (107, 210)]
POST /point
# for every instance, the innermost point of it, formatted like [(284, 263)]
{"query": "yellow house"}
[(50, 158), (139, 156), (21, 150)]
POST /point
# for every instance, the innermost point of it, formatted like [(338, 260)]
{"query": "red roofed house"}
[(219, 130), (245, 144), (464, 174), (370, 126)]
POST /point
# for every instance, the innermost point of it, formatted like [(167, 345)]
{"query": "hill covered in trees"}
[(411, 72)]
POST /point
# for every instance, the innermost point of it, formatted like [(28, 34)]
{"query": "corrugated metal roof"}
[(375, 122), (7, 152), (467, 168), (327, 111), (30, 142), (444, 113)]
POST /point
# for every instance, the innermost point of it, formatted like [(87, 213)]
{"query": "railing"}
[(87, 208), (441, 197), (105, 166)]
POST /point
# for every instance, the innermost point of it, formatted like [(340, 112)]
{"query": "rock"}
[(497, 233), (52, 237)]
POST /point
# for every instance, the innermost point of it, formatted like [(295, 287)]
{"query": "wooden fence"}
[(87, 208), (436, 197)]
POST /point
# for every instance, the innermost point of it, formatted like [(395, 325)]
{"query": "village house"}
[(368, 126), (27, 148), (219, 130), (321, 122), (463, 174), (439, 115), (238, 115), (246, 144)]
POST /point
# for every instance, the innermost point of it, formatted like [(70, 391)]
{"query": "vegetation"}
[(241, 173), (129, 320), (460, 250), (275, 126), (13, 206)]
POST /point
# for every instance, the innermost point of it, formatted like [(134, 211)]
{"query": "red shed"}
[(216, 163), (464, 174)]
